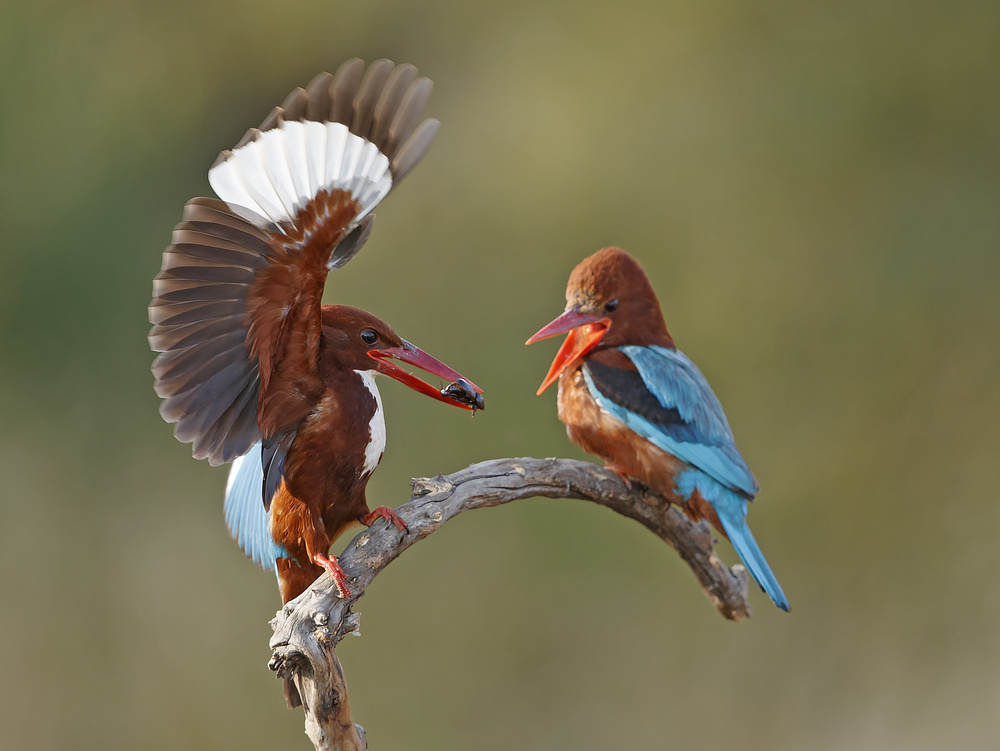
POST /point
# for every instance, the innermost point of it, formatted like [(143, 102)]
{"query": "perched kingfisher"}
[(253, 367), (629, 396)]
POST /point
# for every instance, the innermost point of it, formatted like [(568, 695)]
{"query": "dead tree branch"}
[(308, 628)]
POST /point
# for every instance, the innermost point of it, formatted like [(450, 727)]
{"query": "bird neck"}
[(611, 356), (637, 331)]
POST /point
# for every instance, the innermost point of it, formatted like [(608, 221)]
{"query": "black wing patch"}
[(627, 389), (273, 452)]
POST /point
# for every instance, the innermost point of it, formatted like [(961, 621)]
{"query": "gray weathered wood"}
[(307, 629)]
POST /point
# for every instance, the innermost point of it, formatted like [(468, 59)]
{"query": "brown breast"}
[(597, 432), (328, 456), (326, 471)]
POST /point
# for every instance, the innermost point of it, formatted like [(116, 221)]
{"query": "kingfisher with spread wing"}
[(629, 396), (252, 366)]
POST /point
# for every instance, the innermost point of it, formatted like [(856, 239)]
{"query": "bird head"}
[(609, 303), (354, 339)]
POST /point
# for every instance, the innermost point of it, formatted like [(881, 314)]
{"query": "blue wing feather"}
[(690, 424), (703, 439), (676, 382), (248, 521)]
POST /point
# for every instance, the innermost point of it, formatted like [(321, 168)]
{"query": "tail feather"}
[(248, 521), (733, 520)]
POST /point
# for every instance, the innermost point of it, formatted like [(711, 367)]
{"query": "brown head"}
[(354, 339), (609, 303)]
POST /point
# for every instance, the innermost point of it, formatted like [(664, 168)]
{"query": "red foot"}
[(620, 472), (389, 515), (336, 573)]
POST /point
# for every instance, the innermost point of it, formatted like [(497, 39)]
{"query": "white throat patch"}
[(376, 428)]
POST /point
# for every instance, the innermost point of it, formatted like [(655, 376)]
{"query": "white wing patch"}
[(283, 169), (376, 428)]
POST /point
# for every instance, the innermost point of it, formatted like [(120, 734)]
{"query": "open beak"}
[(467, 396), (585, 331)]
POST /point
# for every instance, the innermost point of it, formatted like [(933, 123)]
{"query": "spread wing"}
[(668, 401), (236, 305)]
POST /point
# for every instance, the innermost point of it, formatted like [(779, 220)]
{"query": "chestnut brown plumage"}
[(249, 355)]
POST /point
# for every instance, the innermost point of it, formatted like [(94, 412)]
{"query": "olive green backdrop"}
[(814, 190)]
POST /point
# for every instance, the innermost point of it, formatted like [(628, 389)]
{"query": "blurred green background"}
[(814, 190)]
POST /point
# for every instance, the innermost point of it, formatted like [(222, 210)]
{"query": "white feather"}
[(366, 160), (227, 182), (249, 160), (349, 165), (336, 140), (376, 427), (274, 157), (376, 189), (282, 170), (315, 155), (298, 162)]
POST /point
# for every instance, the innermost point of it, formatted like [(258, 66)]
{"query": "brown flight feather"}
[(236, 305)]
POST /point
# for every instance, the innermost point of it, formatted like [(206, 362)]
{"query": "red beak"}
[(413, 355), (585, 331)]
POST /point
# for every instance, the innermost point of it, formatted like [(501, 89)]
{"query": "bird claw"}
[(384, 512), (336, 573), (621, 473)]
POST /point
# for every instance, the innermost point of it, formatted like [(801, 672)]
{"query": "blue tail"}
[(732, 511), (249, 523)]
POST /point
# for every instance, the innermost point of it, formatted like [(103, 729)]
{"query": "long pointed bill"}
[(585, 331), (467, 396)]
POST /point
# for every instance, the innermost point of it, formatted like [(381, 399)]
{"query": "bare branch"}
[(308, 628)]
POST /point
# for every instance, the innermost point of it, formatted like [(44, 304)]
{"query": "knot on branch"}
[(424, 486), (286, 661)]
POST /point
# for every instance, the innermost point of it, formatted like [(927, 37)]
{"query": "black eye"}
[(611, 305), (368, 336)]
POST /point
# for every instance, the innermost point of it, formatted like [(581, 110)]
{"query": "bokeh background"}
[(814, 190)]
